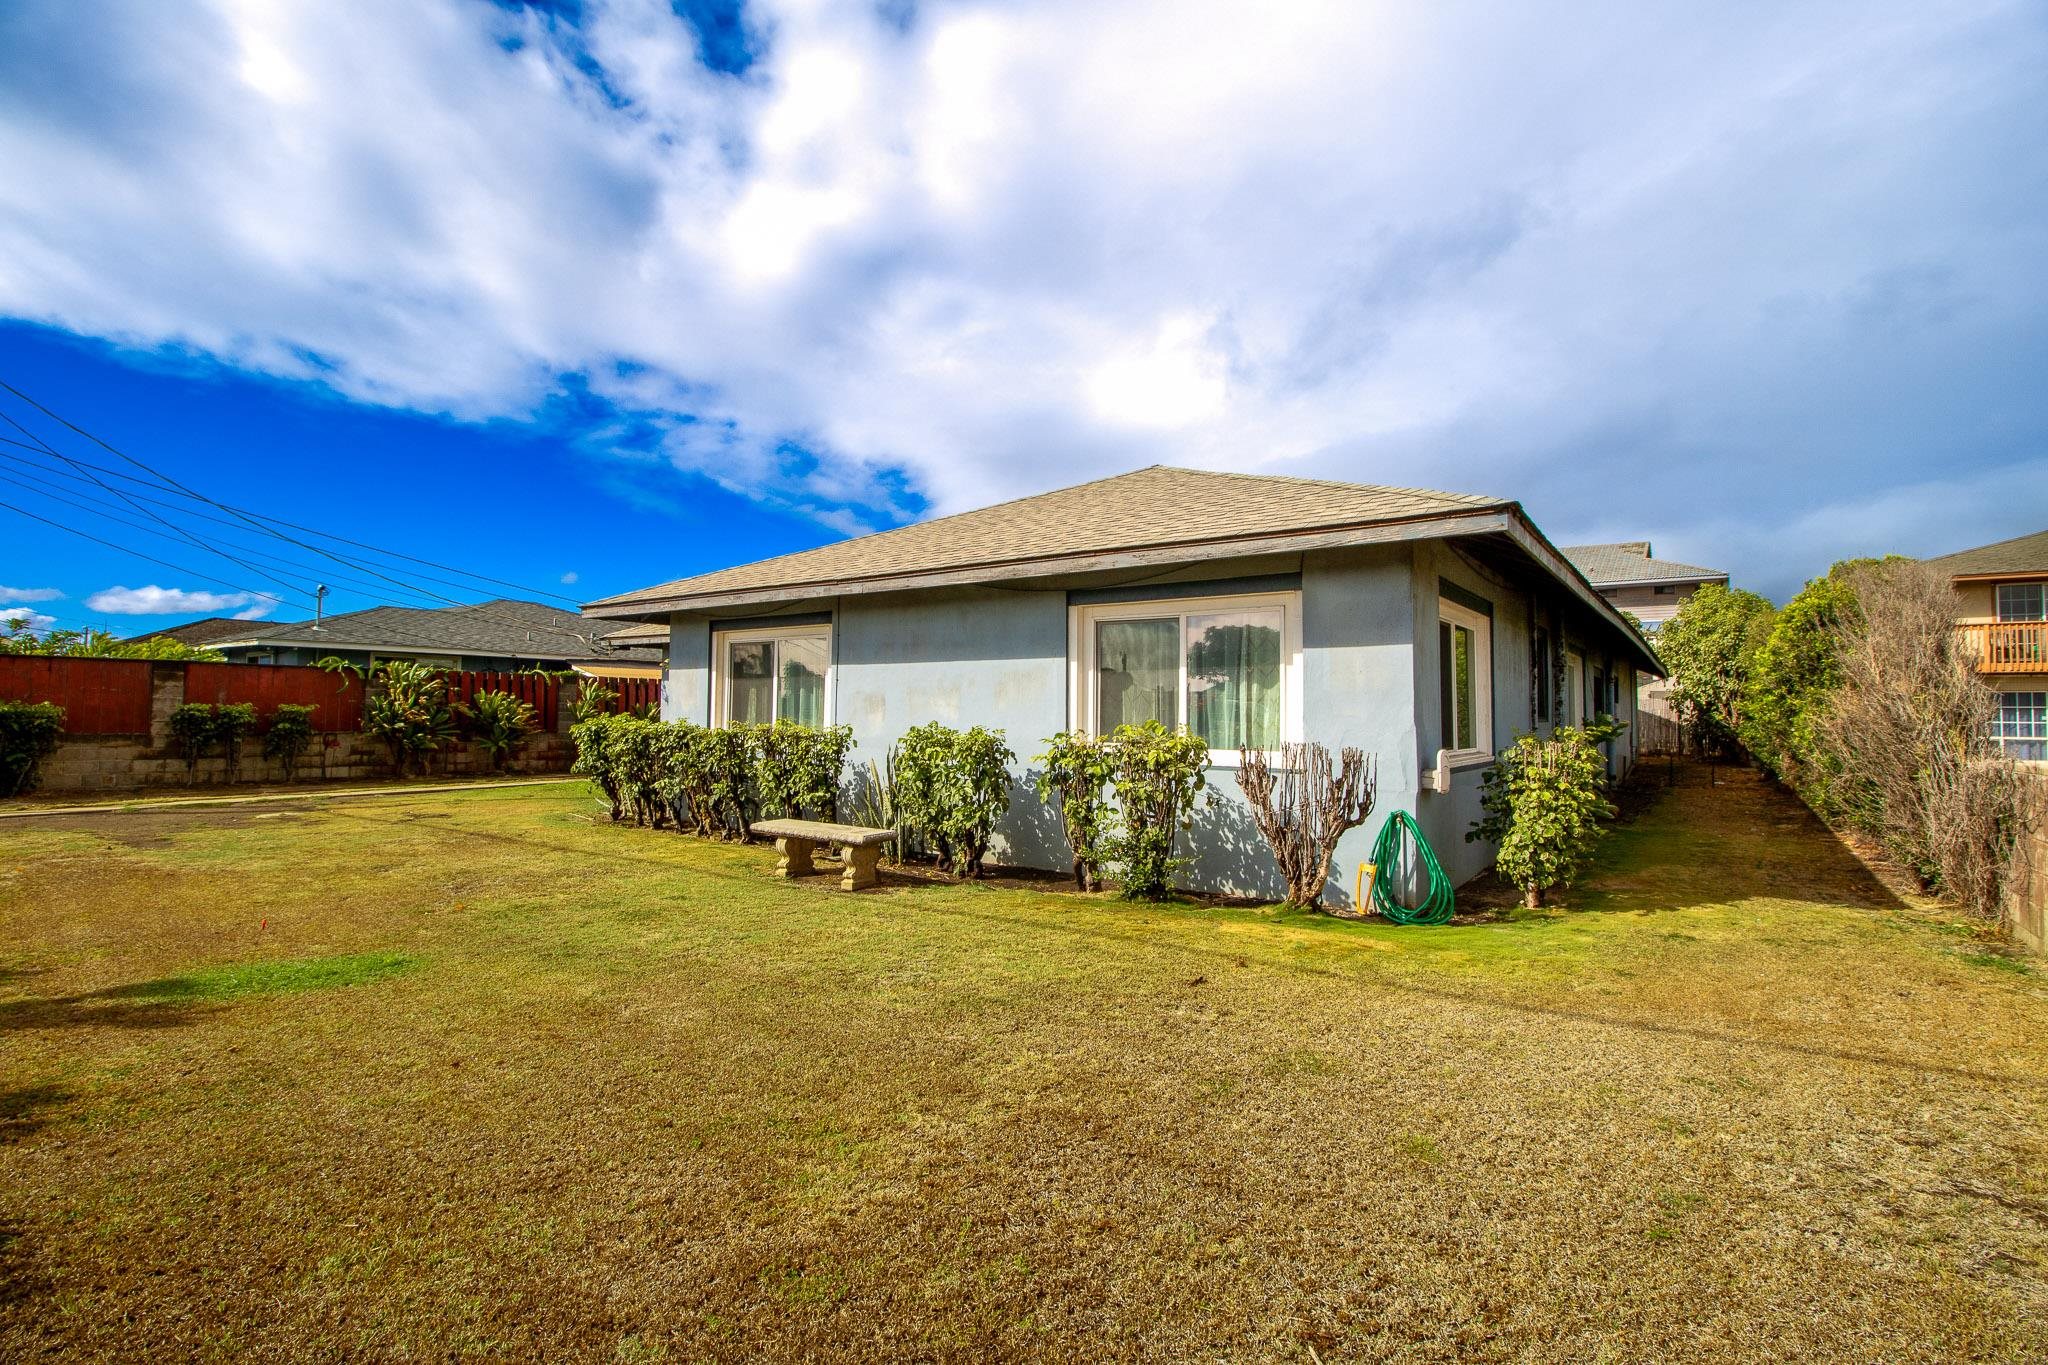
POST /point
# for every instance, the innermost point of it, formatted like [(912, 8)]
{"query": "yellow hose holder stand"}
[(1361, 886)]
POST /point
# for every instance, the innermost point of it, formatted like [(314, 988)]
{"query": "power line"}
[(80, 501), (165, 563), (166, 481)]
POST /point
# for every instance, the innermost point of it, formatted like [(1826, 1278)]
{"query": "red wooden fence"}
[(538, 690), (99, 696), (336, 698), (635, 693)]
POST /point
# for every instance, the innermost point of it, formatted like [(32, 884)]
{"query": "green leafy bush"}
[(1542, 807), (289, 736), (1798, 669), (797, 769), (1157, 775), (29, 731), (1074, 774), (711, 782), (198, 728), (952, 787), (595, 759), (408, 709), (593, 699), (498, 721)]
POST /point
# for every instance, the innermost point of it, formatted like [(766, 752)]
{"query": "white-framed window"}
[(1574, 709), (2021, 726), (772, 673), (1227, 668), (2023, 601), (1465, 680)]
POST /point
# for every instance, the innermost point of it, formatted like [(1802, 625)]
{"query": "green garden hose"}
[(1438, 905)]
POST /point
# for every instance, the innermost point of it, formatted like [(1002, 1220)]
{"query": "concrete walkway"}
[(179, 802)]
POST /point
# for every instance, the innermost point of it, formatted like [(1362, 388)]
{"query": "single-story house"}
[(1428, 629), (498, 636), (2004, 623)]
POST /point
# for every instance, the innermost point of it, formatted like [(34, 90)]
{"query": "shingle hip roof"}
[(506, 628), (1607, 566), (2020, 555), (1153, 507)]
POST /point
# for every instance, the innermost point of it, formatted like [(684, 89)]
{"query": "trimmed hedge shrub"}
[(289, 736), (714, 783), (952, 786), (1543, 806)]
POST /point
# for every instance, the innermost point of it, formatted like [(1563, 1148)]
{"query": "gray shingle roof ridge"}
[(1620, 549), (1993, 545), (1466, 499)]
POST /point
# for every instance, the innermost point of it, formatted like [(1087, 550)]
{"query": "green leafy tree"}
[(1074, 773), (289, 736), (29, 732), (1157, 775), (19, 638), (1711, 646), (1542, 806)]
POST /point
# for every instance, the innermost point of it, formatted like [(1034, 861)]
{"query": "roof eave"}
[(1605, 583), (1478, 520), (1538, 547)]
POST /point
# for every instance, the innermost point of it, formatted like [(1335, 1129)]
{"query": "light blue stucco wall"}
[(998, 657)]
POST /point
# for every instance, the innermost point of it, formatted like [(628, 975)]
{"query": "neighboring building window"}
[(2021, 727), (1666, 590), (772, 674), (2023, 601), (1227, 668), (1465, 679)]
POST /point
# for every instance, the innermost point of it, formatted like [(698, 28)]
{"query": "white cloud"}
[(36, 622), (30, 594), (155, 601), (569, 577), (1666, 269)]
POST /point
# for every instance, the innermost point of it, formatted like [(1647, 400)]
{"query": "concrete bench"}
[(796, 839)]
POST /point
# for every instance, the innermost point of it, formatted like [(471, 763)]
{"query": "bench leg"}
[(796, 858), (860, 867)]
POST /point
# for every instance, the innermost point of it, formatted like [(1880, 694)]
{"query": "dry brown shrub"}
[(1305, 810), (1910, 728)]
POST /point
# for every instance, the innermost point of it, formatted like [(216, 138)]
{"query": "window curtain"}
[(1234, 679), (752, 683), (804, 658), (1137, 672)]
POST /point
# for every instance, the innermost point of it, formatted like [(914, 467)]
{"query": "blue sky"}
[(628, 290)]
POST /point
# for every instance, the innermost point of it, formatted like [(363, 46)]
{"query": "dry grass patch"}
[(561, 1089)]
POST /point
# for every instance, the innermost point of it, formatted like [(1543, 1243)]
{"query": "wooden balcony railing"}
[(2008, 646)]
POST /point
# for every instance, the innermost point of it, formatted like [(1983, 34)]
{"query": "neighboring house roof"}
[(1153, 516), (2020, 555), (502, 628), (205, 631), (1629, 563)]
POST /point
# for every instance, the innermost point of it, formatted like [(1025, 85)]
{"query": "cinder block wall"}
[(124, 763)]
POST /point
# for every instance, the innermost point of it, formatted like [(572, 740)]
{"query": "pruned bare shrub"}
[(1909, 731), (1305, 809)]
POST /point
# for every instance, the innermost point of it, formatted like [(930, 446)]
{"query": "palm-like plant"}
[(497, 722), (408, 709)]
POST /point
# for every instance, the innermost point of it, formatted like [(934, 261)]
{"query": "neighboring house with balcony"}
[(505, 635), (2004, 622), (1427, 629)]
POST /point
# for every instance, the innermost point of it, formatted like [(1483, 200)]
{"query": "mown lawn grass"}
[(475, 1074)]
